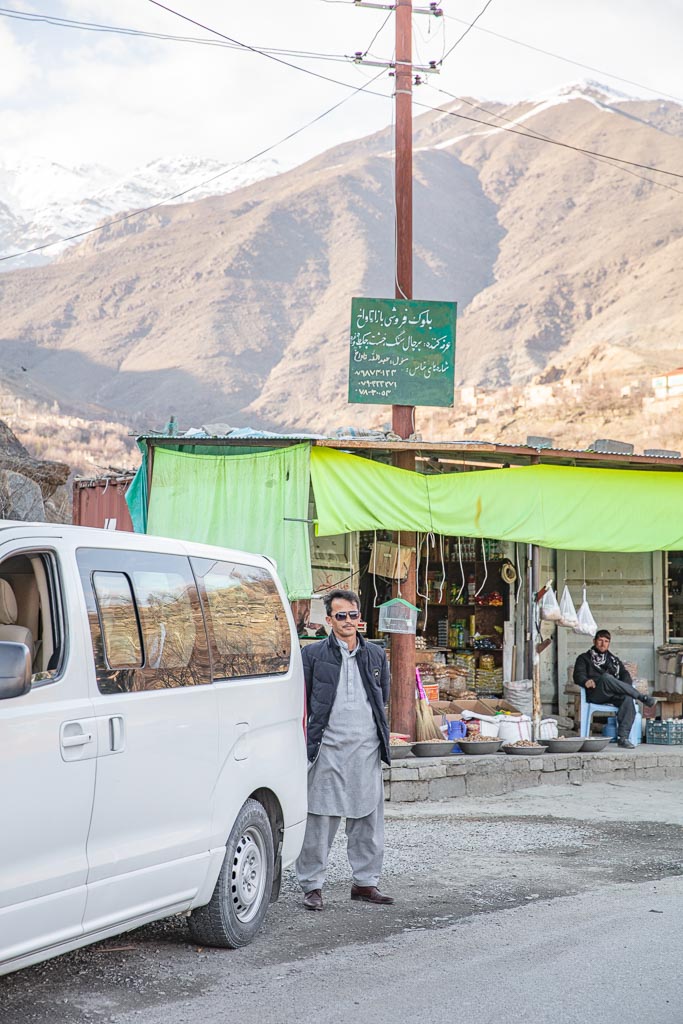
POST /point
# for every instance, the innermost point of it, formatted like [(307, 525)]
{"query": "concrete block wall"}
[(445, 778)]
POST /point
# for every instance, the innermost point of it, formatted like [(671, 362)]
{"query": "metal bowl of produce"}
[(433, 748), (533, 750), (400, 750), (488, 746), (595, 743), (565, 745)]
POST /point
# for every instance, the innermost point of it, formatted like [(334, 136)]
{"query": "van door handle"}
[(117, 739), (241, 752), (77, 741)]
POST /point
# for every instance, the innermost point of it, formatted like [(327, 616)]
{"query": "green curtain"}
[(560, 507), (136, 494), (256, 503)]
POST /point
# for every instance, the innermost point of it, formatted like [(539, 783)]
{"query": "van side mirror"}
[(15, 670)]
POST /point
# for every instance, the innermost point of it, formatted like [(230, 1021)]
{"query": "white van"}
[(152, 748)]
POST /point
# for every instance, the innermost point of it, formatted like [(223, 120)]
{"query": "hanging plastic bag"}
[(567, 610), (550, 609), (585, 621)]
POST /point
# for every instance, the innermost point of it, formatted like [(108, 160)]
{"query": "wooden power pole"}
[(403, 416)]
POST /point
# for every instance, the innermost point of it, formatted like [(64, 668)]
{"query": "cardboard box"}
[(669, 708), (385, 561), (477, 707)]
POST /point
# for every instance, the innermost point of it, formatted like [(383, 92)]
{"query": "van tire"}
[(240, 901)]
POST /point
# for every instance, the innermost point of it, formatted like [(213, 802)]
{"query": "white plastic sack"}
[(548, 729), (488, 725), (550, 609), (585, 621), (512, 729), (520, 693), (567, 610)]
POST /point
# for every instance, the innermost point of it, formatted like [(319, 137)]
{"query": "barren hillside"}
[(236, 308)]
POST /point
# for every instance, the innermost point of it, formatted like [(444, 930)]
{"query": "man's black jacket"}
[(322, 667), (585, 669)]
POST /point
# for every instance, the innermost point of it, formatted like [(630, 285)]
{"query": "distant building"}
[(670, 385)]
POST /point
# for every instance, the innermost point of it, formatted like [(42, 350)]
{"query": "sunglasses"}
[(341, 616)]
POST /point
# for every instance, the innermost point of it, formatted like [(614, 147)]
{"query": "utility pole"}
[(403, 416)]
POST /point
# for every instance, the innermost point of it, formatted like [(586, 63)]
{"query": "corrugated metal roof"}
[(477, 449)]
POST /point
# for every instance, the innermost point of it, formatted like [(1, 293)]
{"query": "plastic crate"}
[(666, 733)]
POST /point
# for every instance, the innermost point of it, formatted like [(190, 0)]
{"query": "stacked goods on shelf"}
[(489, 681), (463, 668)]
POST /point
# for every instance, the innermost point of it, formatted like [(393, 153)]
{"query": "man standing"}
[(606, 681), (347, 686)]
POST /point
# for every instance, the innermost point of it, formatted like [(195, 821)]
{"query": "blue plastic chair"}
[(588, 710)]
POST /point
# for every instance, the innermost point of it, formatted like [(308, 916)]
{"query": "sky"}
[(80, 98)]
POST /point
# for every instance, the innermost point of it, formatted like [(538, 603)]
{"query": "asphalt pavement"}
[(551, 907)]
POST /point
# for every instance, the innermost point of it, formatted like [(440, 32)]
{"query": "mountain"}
[(41, 201), (235, 308)]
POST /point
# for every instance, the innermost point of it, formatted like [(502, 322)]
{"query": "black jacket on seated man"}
[(607, 681)]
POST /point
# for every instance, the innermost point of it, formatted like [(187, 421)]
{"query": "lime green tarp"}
[(247, 502), (554, 506)]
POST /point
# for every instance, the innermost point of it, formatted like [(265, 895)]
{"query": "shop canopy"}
[(255, 502), (561, 507)]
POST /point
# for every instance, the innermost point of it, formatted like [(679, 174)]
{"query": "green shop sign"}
[(402, 352)]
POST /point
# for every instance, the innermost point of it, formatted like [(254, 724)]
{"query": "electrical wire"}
[(207, 181), (90, 26), (565, 145), (569, 60), (244, 46), (467, 31), (545, 138), (377, 33), (541, 137)]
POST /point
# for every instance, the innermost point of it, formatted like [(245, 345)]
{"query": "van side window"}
[(118, 621), (248, 625), (146, 621), (31, 611)]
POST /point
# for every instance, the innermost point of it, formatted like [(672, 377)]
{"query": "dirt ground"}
[(445, 864)]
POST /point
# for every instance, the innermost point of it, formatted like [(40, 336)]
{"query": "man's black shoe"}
[(626, 743), (648, 701), (313, 900)]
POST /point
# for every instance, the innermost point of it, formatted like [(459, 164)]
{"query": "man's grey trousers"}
[(365, 848)]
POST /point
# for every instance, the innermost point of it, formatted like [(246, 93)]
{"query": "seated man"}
[(606, 681)]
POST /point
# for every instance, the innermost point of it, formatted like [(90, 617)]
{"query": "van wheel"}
[(240, 900)]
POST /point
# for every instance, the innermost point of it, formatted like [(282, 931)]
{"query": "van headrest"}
[(8, 604)]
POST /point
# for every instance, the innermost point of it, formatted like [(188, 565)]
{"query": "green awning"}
[(560, 507), (256, 502)]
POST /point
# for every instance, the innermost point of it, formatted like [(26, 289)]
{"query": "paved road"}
[(521, 909)]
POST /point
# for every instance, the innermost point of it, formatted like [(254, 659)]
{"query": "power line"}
[(89, 26), (207, 181), (541, 137), (554, 142), (364, 88), (247, 46), (569, 60), (469, 28)]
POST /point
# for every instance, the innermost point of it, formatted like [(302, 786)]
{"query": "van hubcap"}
[(248, 874)]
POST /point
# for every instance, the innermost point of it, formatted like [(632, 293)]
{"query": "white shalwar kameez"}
[(345, 781)]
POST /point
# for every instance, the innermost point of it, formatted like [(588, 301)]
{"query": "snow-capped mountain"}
[(42, 201)]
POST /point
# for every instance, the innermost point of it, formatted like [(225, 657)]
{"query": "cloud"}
[(19, 68)]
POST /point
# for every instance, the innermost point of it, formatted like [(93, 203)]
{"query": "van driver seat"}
[(9, 630)]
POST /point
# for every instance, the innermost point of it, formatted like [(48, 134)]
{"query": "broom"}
[(426, 729)]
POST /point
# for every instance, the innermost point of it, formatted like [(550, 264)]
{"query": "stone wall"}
[(444, 778)]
